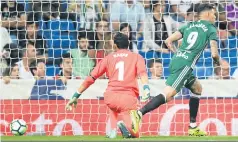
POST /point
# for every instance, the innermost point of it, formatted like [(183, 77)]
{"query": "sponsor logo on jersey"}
[(182, 54)]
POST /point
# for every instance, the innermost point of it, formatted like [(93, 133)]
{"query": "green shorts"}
[(180, 77)]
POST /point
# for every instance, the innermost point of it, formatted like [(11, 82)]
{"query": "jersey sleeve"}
[(212, 34), (96, 73), (182, 29), (100, 68), (140, 66)]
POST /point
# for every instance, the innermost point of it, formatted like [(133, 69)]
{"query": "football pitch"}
[(119, 138)]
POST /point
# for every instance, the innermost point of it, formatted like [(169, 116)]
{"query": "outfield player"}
[(195, 36), (122, 68)]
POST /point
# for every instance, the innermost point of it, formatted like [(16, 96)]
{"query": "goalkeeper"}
[(121, 96), (195, 36)]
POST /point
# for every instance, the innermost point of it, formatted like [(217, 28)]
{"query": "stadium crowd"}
[(65, 39)]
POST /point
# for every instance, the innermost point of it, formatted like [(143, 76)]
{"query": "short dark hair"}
[(34, 64), (153, 3), (30, 42), (152, 61), (32, 18), (124, 25), (90, 36), (204, 7), (65, 56), (15, 53), (23, 50), (9, 69), (193, 8), (121, 41), (105, 20), (87, 35)]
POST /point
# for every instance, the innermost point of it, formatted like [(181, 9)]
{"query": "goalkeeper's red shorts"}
[(121, 103)]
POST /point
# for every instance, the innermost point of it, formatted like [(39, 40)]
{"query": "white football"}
[(18, 127)]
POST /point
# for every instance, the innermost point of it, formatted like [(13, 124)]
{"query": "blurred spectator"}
[(126, 29), (179, 8), (66, 13), (11, 73), (232, 16), (38, 69), (66, 64), (235, 74), (74, 6), (131, 12), (5, 39), (221, 15), (222, 23), (31, 34), (157, 28), (45, 9), (102, 31), (109, 45), (13, 16), (11, 54), (192, 13), (102, 38), (146, 4), (105, 47), (155, 68), (89, 12), (82, 63), (222, 72), (29, 55)]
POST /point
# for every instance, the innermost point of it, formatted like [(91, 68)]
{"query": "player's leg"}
[(113, 117), (110, 100), (196, 88), (125, 123), (175, 82)]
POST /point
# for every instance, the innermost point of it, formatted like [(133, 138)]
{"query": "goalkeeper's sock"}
[(153, 104), (193, 110)]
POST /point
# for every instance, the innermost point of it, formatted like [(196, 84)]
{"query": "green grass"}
[(102, 138)]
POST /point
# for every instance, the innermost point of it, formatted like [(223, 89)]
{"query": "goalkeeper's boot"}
[(112, 134), (124, 131), (196, 132), (136, 120)]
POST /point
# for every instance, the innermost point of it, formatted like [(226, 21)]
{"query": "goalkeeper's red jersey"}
[(122, 68)]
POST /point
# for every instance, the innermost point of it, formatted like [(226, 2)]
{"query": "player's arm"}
[(214, 52), (141, 72), (174, 37), (99, 70), (214, 47)]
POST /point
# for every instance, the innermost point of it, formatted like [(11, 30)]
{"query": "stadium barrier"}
[(216, 116), (55, 89), (218, 113)]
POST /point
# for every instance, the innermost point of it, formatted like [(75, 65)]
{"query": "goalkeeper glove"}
[(146, 93), (73, 101)]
